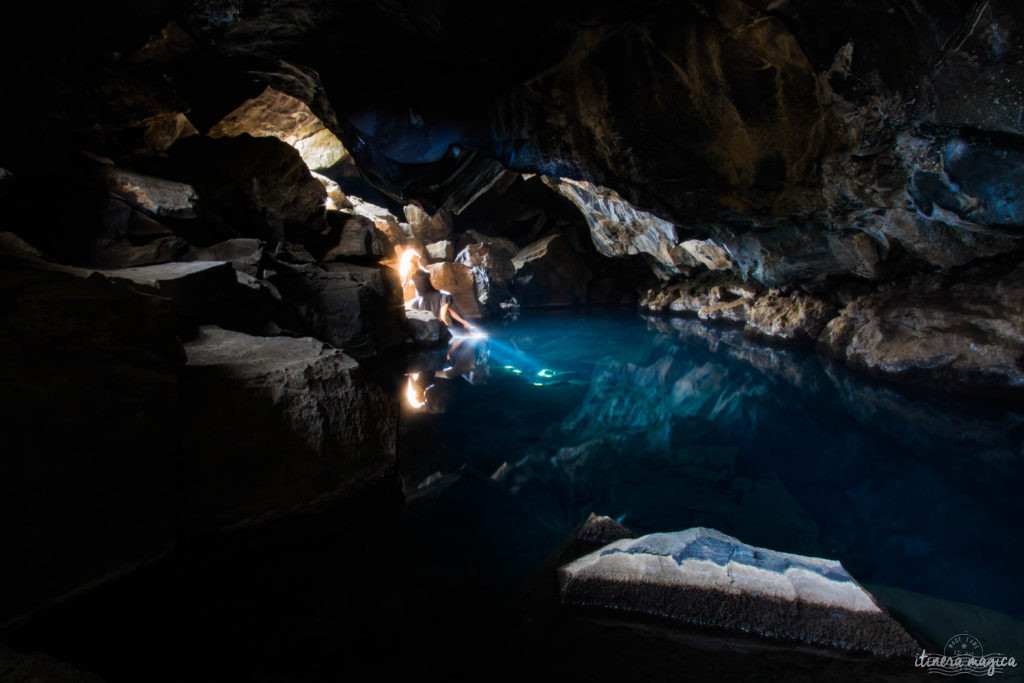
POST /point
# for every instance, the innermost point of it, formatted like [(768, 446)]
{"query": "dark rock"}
[(158, 196), (359, 239), (90, 435), (701, 576), (550, 273), (352, 307), (249, 187), (492, 273), (326, 430), (425, 329), (603, 530), (244, 253), (32, 667)]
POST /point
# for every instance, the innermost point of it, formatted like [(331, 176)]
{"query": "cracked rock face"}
[(705, 577)]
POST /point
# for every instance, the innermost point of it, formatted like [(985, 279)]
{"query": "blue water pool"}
[(511, 441)]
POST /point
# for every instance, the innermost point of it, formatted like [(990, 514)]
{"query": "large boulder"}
[(704, 577), (492, 274), (358, 239), (458, 280), (87, 476), (244, 253), (425, 329), (963, 336), (426, 227), (249, 187), (352, 307), (550, 273), (325, 430), (274, 114)]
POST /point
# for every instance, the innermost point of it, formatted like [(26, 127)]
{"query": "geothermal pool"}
[(509, 442)]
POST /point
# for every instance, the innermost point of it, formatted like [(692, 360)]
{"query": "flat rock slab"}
[(701, 576), (274, 425)]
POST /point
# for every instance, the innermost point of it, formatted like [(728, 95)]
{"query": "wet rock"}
[(701, 576), (458, 280), (92, 424), (441, 251), (243, 253), (352, 307), (425, 329), (275, 114), (963, 336), (427, 228), (550, 273), (326, 430)]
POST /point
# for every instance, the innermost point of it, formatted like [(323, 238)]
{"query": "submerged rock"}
[(325, 430), (701, 576)]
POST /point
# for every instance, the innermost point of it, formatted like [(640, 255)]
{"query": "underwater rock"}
[(352, 307), (326, 430), (701, 576), (550, 273), (425, 329)]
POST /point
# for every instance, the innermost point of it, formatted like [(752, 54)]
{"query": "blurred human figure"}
[(428, 297)]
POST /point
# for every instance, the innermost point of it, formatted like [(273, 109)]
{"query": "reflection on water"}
[(668, 424)]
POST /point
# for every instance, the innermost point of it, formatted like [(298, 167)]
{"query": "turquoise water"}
[(511, 441)]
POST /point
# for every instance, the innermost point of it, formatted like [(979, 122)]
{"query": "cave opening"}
[(560, 340)]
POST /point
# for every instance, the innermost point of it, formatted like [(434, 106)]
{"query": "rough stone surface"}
[(965, 336), (355, 308), (441, 251), (426, 227), (359, 239), (458, 280), (275, 114), (550, 273), (425, 329), (704, 577), (158, 196), (250, 187), (87, 474), (244, 253), (325, 429), (792, 317)]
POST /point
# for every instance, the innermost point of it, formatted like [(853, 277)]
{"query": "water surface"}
[(511, 441)]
